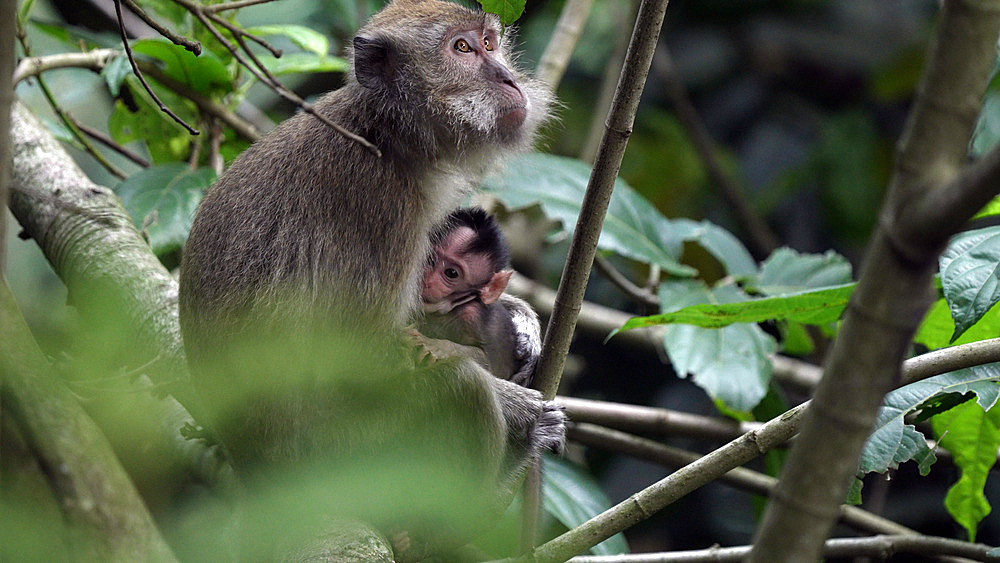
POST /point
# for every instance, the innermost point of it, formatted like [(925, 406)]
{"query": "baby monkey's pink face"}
[(455, 276)]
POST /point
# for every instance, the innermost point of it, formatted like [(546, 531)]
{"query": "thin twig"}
[(233, 5), (188, 44), (215, 159), (138, 73), (104, 139), (642, 295), (762, 240), (240, 32), (264, 76)]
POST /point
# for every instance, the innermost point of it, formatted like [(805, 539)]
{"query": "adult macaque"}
[(303, 267), (464, 301)]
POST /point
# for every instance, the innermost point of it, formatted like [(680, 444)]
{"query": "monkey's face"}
[(453, 276)]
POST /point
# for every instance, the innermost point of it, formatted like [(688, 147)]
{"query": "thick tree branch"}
[(8, 12), (96, 250), (893, 293), (569, 297), (105, 516)]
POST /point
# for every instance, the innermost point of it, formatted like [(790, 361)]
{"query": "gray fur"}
[(308, 234)]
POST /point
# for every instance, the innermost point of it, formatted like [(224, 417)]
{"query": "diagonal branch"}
[(894, 288), (569, 297)]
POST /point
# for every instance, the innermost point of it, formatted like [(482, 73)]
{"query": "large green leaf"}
[(633, 227), (508, 10), (938, 327), (291, 63), (305, 38), (972, 435), (732, 364), (970, 276), (162, 201), (571, 495), (204, 73), (817, 306), (787, 271)]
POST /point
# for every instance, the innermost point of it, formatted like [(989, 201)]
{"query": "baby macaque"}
[(464, 300)]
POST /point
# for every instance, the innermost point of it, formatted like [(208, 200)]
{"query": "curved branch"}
[(34, 66)]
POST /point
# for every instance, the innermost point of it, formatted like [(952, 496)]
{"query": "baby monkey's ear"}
[(493, 288)]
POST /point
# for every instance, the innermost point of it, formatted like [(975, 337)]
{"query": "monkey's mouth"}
[(511, 118)]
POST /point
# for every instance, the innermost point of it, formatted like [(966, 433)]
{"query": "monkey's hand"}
[(550, 431), (428, 351)]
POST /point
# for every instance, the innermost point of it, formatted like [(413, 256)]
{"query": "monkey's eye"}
[(462, 46), (451, 273), (487, 43)]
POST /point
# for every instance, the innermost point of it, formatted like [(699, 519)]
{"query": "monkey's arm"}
[(437, 349), (527, 338)]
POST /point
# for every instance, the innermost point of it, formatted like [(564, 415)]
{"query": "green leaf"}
[(24, 12), (114, 74), (787, 271), (818, 306), (992, 208), (204, 73), (894, 442), (165, 8), (970, 276), (854, 493), (291, 63), (303, 37), (972, 435), (728, 249), (632, 228), (76, 36), (938, 327), (731, 364), (571, 495), (508, 10), (162, 201), (166, 140), (987, 132)]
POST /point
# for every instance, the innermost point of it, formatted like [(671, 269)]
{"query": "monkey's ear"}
[(375, 61), (493, 288)]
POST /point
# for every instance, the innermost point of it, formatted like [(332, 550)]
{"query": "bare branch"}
[(70, 123), (656, 420), (262, 74), (138, 73), (762, 240), (894, 288), (740, 477), (644, 296), (557, 53), (188, 44), (880, 548), (35, 66), (595, 203), (214, 8), (104, 139)]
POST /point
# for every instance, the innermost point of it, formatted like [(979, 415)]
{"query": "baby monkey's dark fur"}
[(303, 266)]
